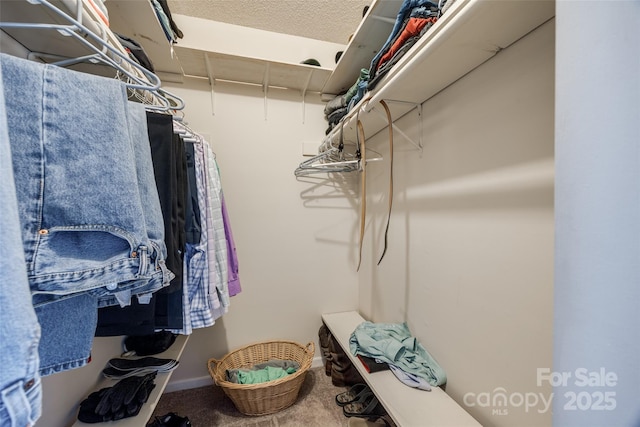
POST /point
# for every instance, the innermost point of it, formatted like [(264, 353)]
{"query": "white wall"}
[(470, 262), (295, 250), (597, 316)]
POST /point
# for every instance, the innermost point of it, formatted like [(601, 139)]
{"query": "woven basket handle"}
[(310, 348), (210, 363)]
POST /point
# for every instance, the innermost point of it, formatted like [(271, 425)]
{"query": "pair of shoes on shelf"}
[(365, 406), (119, 368), (337, 363), (352, 394), (359, 401), (171, 420)]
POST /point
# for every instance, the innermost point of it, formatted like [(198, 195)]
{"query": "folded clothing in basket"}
[(263, 372)]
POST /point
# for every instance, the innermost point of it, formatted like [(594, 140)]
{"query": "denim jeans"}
[(92, 229), (20, 385), (85, 225), (68, 327), (153, 216)]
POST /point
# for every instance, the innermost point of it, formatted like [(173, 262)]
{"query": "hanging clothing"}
[(20, 383), (197, 312), (217, 244), (211, 265), (68, 326), (169, 304), (79, 234), (193, 226), (168, 169), (91, 230), (232, 256)]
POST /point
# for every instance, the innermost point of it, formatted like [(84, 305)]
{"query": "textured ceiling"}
[(328, 20)]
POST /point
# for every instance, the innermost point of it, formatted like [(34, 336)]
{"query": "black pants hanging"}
[(165, 311), (169, 162)]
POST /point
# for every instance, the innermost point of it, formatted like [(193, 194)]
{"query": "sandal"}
[(352, 394), (366, 406), (170, 420)]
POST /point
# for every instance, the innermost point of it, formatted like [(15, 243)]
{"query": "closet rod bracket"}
[(212, 82), (418, 108)]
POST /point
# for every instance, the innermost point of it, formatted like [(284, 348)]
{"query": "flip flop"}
[(373, 422), (352, 394), (366, 406)]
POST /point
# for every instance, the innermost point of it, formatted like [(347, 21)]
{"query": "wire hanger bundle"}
[(143, 84), (333, 159)]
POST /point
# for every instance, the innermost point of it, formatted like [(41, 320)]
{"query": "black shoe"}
[(171, 420)]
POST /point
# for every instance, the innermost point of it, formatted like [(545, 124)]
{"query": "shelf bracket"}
[(418, 107), (304, 93), (212, 82), (265, 88)]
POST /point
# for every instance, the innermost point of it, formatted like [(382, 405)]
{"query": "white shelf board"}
[(369, 37), (407, 406), (470, 33), (242, 69), (138, 20), (467, 35), (161, 380)]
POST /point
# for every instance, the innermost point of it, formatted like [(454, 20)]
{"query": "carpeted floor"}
[(209, 406)]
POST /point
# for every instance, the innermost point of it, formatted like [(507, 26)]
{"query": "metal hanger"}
[(100, 51), (187, 134), (334, 159)]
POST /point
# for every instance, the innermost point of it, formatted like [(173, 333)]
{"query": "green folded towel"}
[(269, 373)]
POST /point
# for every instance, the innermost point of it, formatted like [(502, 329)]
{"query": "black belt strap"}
[(363, 186), (390, 122)]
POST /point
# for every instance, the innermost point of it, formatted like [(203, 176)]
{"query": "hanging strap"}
[(390, 126), (363, 186)]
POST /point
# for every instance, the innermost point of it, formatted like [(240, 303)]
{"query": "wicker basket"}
[(269, 397)]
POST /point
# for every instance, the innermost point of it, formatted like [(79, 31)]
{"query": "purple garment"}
[(232, 257)]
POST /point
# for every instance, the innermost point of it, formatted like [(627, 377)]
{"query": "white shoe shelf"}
[(407, 406)]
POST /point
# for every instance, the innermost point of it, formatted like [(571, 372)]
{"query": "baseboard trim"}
[(317, 362), (188, 384), (205, 381)]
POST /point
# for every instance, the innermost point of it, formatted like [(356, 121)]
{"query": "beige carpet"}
[(209, 406)]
